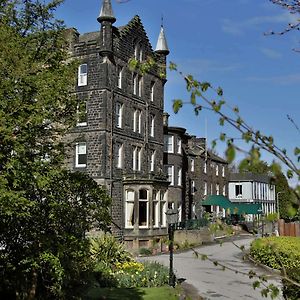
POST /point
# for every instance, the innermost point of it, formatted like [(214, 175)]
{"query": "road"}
[(212, 282)]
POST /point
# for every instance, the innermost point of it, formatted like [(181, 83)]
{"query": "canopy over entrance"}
[(233, 207)]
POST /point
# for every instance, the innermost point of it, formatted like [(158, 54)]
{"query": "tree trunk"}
[(32, 291)]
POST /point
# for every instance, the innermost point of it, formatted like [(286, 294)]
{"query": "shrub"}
[(106, 249), (106, 253), (277, 252)]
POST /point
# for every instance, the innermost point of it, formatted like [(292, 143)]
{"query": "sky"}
[(222, 42)]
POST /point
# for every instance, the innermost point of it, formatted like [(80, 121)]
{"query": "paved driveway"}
[(212, 282)]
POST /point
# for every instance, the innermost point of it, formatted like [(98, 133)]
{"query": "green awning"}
[(233, 207)]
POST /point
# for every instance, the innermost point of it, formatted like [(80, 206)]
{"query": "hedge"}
[(277, 252)]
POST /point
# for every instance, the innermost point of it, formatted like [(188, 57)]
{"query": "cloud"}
[(270, 53), (200, 66), (281, 79), (230, 27), (239, 27)]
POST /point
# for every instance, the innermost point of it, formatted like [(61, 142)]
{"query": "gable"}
[(129, 36)]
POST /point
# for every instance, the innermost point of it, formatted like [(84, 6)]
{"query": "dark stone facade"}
[(119, 140), (124, 110)]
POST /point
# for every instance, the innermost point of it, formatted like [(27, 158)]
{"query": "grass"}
[(165, 292)]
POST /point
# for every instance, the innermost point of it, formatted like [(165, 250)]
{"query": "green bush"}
[(277, 252), (106, 249), (280, 253), (106, 252)]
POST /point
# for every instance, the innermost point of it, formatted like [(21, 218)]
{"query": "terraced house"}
[(119, 137)]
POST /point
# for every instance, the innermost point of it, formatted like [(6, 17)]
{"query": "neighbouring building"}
[(193, 172), (253, 188), (120, 139)]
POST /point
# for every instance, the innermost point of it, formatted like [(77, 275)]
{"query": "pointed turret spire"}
[(162, 46), (106, 13)]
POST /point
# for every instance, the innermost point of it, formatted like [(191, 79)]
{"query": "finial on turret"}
[(162, 46), (106, 13)]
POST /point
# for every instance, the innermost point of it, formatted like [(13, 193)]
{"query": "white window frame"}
[(170, 172), (217, 170), (193, 187), (217, 189), (120, 76), (169, 143), (78, 149), (140, 86), (129, 204), (155, 209), (119, 115), (179, 177), (82, 76), (205, 167), (152, 125), (163, 199), (137, 158), (205, 189), (223, 171), (152, 89), (137, 121), (119, 156), (240, 188), (224, 190), (179, 144), (192, 165), (152, 160)]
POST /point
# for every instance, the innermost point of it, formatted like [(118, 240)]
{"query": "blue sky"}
[(223, 42)]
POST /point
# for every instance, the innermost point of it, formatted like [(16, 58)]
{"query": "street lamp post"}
[(277, 203), (172, 215)]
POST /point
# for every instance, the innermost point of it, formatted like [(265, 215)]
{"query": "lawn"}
[(165, 292)]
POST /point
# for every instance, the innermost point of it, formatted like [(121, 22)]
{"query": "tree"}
[(293, 7), (45, 210)]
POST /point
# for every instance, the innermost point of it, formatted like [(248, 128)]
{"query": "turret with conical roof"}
[(106, 18), (162, 46), (106, 12)]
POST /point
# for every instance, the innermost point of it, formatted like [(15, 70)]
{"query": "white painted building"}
[(252, 188)]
